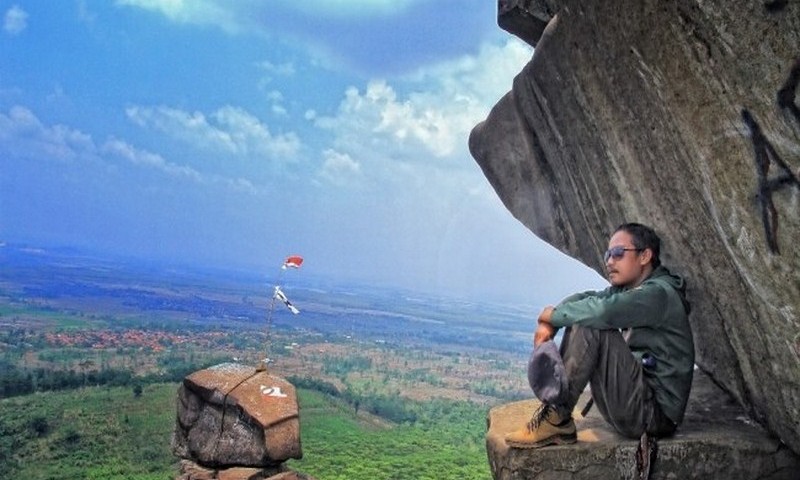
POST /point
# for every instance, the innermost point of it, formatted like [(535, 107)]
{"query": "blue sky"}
[(234, 133)]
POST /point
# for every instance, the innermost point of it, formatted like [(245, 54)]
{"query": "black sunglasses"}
[(618, 252)]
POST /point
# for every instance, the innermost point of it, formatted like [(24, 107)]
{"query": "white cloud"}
[(120, 149), (201, 12), (24, 136), (276, 98), (432, 120), (340, 35), (123, 150), (283, 69), (338, 168), (15, 20), (84, 14), (233, 16), (279, 111), (349, 7), (231, 130)]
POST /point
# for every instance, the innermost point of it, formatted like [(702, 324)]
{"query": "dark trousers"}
[(602, 359)]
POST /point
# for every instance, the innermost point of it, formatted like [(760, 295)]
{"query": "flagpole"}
[(263, 364), (296, 261)]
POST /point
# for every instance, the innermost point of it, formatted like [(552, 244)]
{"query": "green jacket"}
[(657, 312)]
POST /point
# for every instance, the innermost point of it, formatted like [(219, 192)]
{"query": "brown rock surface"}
[(192, 471), (232, 415), (716, 440), (683, 115)]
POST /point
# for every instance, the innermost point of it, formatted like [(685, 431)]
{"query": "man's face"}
[(625, 265)]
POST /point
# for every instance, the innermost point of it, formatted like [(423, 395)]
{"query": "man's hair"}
[(643, 238)]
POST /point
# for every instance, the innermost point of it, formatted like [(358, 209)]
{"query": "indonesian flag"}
[(293, 261), (282, 297)]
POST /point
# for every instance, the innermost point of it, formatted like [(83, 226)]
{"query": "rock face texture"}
[(716, 441), (235, 422), (682, 115)]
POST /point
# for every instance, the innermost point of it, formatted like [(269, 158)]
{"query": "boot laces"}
[(538, 416)]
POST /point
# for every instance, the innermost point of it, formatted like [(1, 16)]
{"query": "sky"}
[(232, 134)]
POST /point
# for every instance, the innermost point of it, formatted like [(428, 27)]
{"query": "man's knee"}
[(580, 336), (630, 430)]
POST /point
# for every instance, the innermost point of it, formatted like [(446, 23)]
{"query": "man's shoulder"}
[(664, 277), (673, 286)]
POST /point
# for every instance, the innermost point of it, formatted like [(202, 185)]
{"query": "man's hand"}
[(544, 317), (544, 330)]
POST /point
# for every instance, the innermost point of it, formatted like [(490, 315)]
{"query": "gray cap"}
[(546, 374)]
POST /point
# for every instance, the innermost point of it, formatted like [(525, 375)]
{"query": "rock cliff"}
[(683, 115)]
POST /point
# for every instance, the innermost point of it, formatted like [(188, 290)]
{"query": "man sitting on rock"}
[(640, 377)]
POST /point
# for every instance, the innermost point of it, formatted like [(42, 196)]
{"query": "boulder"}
[(232, 415), (716, 440), (682, 115), (191, 471)]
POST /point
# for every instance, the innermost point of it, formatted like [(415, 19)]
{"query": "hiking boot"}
[(546, 427)]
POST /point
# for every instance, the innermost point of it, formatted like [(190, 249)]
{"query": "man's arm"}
[(630, 308), (544, 329), (581, 295)]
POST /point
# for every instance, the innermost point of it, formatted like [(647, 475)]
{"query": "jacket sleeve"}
[(637, 307), (581, 295)]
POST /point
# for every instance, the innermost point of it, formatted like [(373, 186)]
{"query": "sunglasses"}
[(618, 252)]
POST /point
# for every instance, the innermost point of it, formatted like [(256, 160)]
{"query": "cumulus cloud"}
[(144, 158), (122, 150), (433, 117), (15, 20), (230, 130), (24, 136)]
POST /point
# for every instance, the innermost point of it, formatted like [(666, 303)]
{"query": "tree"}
[(39, 425)]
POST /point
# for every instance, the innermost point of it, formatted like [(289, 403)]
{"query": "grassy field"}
[(110, 433), (89, 433), (447, 441)]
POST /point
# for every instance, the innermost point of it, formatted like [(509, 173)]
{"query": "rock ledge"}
[(716, 440)]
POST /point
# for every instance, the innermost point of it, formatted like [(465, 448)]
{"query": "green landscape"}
[(391, 384)]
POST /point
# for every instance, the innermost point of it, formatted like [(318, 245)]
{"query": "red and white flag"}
[(282, 297), (292, 261)]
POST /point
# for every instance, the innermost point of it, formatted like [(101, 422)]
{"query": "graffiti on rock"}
[(766, 156)]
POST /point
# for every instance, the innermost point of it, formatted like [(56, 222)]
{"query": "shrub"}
[(39, 425)]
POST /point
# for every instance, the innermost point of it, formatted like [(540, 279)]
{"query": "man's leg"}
[(603, 358)]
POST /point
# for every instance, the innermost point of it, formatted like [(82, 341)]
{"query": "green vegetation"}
[(343, 366), (390, 388), (111, 433), (89, 433), (447, 441), (15, 380)]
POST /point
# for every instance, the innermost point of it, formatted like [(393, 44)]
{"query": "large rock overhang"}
[(682, 115)]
